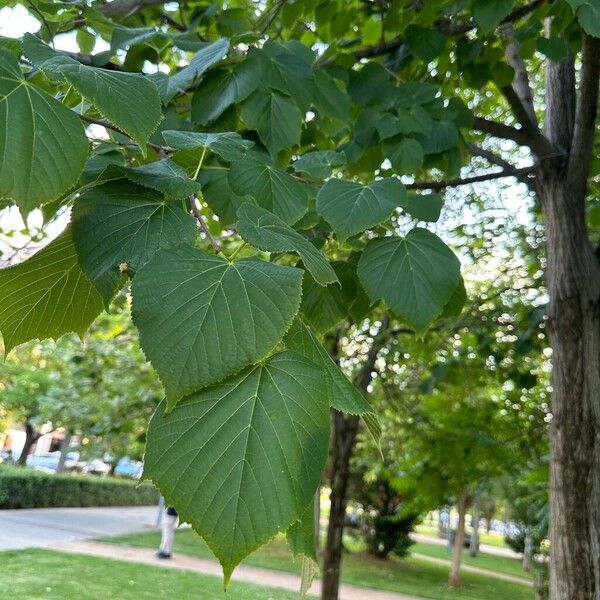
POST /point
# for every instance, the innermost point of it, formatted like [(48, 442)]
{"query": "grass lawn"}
[(411, 576), (493, 539), (502, 564), (35, 574)]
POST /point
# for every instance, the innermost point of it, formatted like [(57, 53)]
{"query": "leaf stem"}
[(237, 250), (199, 164), (216, 244)]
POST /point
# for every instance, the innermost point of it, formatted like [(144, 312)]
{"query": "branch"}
[(88, 59), (536, 140), (107, 125), (520, 82), (500, 130), (440, 185), (446, 27), (216, 244), (123, 8), (494, 159), (585, 117)]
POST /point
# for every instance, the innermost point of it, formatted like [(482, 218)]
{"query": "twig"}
[(440, 185), (216, 244), (163, 150)]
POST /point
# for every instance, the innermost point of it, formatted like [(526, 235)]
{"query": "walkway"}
[(487, 548), (39, 527), (254, 575), (479, 570)]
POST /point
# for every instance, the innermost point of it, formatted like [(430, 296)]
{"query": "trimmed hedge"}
[(21, 487)]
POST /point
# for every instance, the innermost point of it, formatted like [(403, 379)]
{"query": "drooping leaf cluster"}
[(248, 176)]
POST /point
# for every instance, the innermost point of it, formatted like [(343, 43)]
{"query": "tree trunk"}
[(459, 538), (64, 449), (31, 437), (475, 518), (528, 552), (344, 430), (573, 280), (574, 331), (344, 436)]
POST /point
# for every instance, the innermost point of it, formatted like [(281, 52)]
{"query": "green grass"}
[(492, 539), (411, 576), (501, 564), (35, 574)]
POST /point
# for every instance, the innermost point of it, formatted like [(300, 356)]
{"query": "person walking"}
[(169, 523)]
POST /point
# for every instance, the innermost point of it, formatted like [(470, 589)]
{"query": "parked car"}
[(96, 466), (48, 461), (129, 468)]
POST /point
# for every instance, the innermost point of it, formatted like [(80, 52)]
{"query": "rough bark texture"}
[(459, 538), (344, 431), (573, 279), (31, 437)]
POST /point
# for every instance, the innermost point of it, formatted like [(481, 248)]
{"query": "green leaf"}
[(319, 164), (415, 275), (323, 306), (553, 48), (329, 98), (229, 146), (424, 207), (301, 539), (425, 43), (267, 231), (217, 193), (343, 395), (123, 37), (289, 73), (488, 14), (120, 223), (588, 15), (275, 117), (43, 146), (164, 176), (273, 189), (443, 136), (202, 318), (241, 460), (201, 61), (350, 207), (129, 100), (405, 155), (455, 305), (222, 88), (46, 296)]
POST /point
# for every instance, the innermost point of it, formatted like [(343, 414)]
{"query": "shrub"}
[(26, 488)]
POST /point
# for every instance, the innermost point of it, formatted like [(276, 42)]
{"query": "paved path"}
[(472, 569), (39, 527), (255, 575), (487, 548)]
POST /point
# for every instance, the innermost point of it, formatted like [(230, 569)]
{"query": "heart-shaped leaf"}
[(202, 318), (350, 207), (415, 275), (241, 460)]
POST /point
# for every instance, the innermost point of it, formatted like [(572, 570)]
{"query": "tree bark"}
[(459, 538), (344, 431), (31, 437), (574, 331), (528, 552), (64, 449), (317, 518), (475, 517), (573, 280)]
